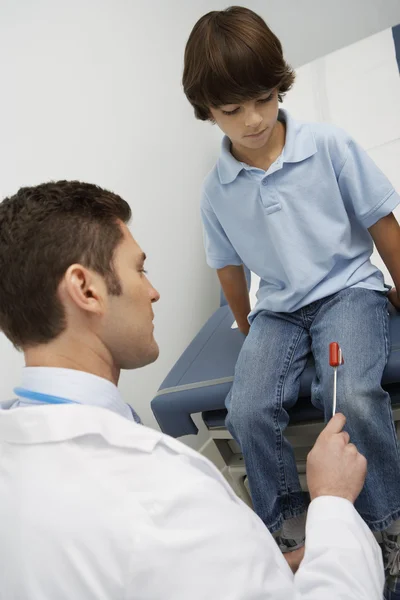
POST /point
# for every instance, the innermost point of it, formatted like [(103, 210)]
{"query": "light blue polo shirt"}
[(302, 226)]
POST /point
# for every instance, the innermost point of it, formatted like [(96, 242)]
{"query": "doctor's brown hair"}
[(231, 57), (44, 230)]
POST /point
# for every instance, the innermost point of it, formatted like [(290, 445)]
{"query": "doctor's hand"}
[(334, 465)]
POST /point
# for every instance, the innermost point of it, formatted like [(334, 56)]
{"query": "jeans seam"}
[(386, 335), (278, 410), (304, 317)]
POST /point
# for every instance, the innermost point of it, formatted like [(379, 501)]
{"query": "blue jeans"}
[(266, 385)]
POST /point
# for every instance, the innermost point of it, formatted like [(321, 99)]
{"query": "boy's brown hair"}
[(44, 230), (232, 56)]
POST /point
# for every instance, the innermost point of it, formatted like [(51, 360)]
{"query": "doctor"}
[(94, 506)]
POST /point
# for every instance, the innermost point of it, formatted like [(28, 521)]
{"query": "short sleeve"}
[(366, 191), (219, 250)]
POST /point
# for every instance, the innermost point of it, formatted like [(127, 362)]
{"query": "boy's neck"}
[(262, 158)]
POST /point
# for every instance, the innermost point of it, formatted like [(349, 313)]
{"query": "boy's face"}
[(249, 125)]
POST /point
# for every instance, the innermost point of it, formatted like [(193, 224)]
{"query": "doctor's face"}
[(128, 328)]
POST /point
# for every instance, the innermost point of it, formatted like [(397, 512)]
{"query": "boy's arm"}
[(234, 286), (386, 235)]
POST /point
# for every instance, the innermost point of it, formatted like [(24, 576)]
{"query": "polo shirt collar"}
[(300, 142), (227, 165), (299, 145)]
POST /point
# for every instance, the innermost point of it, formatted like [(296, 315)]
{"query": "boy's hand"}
[(394, 298), (334, 466), (244, 328), (234, 285)]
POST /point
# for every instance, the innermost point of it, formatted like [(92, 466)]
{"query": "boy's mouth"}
[(255, 135)]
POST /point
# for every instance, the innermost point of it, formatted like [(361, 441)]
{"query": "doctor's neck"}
[(75, 354)]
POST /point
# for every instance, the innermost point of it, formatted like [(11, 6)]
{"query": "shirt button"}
[(265, 182)]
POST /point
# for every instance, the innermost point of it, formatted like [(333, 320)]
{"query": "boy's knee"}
[(357, 398), (243, 418)]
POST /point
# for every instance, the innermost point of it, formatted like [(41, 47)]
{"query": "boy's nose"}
[(253, 120)]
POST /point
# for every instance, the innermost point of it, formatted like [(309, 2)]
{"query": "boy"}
[(300, 205)]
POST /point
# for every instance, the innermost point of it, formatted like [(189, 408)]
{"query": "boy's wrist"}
[(394, 297), (243, 326)]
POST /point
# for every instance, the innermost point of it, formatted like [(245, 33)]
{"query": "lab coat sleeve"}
[(342, 558), (200, 541)]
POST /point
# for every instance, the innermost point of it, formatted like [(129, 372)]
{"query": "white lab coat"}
[(95, 507)]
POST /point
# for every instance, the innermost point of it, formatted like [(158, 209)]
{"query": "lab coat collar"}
[(77, 386), (58, 423)]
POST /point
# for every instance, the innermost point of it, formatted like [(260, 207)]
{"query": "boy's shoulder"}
[(211, 181), (330, 143), (327, 132), (328, 137)]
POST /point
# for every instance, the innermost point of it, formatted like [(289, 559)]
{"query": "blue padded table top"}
[(201, 379)]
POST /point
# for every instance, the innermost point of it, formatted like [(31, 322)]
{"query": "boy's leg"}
[(266, 383), (357, 319)]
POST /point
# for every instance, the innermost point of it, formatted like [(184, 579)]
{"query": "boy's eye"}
[(260, 101), (230, 112), (267, 99)]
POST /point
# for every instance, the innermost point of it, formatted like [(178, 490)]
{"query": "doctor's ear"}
[(85, 288)]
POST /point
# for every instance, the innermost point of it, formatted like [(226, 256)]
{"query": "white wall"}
[(91, 90), (309, 29)]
